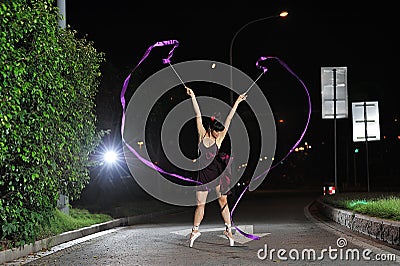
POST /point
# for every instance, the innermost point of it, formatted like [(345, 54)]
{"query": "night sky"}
[(315, 34), (356, 34)]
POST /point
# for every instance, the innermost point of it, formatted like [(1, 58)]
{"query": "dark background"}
[(355, 34)]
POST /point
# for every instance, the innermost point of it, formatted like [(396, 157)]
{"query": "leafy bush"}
[(48, 82)]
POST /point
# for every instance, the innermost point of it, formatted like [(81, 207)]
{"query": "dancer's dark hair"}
[(215, 125)]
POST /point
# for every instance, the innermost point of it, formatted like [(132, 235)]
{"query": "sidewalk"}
[(46, 244)]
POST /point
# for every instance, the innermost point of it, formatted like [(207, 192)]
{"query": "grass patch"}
[(61, 222), (77, 218), (381, 205)]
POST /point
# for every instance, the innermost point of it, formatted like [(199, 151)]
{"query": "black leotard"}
[(209, 164)]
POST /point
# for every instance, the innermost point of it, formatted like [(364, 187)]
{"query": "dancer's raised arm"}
[(199, 122), (228, 120)]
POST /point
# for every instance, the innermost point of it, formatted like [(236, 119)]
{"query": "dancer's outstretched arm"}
[(228, 120), (199, 122)]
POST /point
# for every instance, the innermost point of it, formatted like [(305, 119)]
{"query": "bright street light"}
[(283, 14), (110, 157)]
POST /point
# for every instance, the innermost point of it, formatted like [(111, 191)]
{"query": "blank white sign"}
[(365, 121), (334, 78)]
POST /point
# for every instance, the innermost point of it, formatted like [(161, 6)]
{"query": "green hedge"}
[(48, 82)]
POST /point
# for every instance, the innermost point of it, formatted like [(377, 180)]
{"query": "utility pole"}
[(61, 6), (62, 202)]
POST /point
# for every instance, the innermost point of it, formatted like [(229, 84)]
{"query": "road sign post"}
[(366, 126), (334, 100)]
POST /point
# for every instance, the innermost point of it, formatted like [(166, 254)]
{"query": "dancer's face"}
[(215, 134)]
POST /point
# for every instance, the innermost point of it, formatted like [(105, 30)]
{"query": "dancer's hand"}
[(189, 91), (241, 98)]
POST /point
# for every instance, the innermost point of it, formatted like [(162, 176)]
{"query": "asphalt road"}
[(281, 219)]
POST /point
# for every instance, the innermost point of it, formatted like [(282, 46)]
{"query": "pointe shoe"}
[(194, 235), (228, 230)]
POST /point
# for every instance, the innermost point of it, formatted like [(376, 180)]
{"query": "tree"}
[(48, 83)]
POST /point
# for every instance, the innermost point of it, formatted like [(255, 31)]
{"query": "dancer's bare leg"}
[(225, 213), (201, 197)]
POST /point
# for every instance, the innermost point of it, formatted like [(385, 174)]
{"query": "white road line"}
[(237, 237), (62, 246)]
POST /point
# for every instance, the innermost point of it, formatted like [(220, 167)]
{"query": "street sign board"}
[(334, 89), (365, 121)]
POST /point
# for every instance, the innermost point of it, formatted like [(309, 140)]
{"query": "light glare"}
[(283, 14), (110, 157)]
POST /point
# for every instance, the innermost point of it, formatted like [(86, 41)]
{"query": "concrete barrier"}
[(382, 229)]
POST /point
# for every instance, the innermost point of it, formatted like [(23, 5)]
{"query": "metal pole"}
[(367, 159), (355, 170), (347, 163), (61, 7), (63, 201), (231, 48), (334, 126), (366, 142)]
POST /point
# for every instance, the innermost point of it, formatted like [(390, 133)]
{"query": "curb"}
[(381, 229), (9, 255)]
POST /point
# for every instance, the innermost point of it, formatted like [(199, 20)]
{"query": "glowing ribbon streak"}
[(155, 167), (264, 69), (125, 86)]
